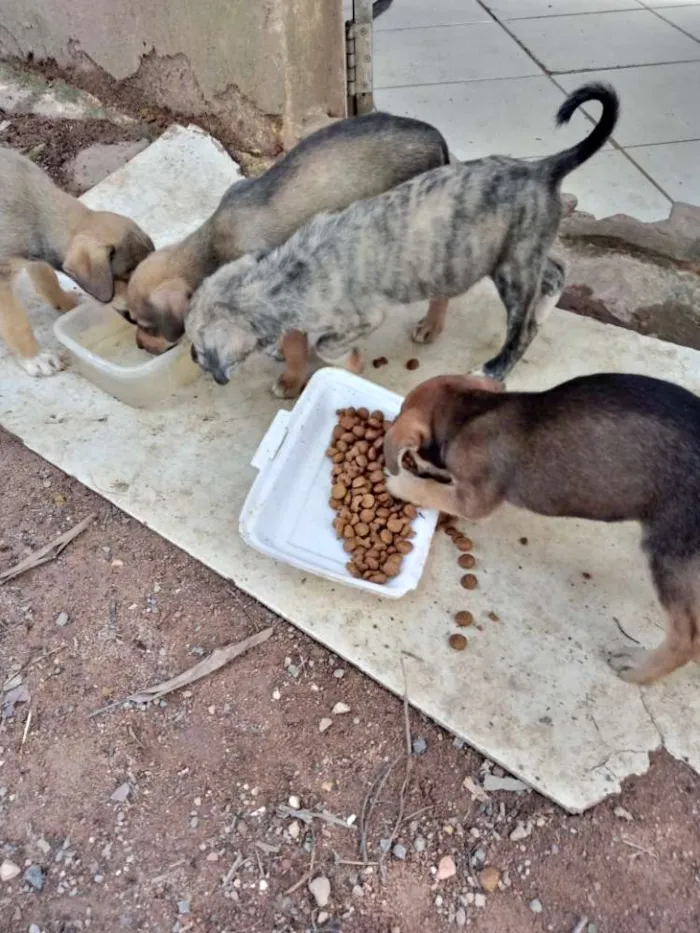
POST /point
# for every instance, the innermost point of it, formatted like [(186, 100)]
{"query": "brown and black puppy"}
[(341, 163), (608, 447), (42, 229)]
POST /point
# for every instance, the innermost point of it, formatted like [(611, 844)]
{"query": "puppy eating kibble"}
[(42, 229), (326, 171), (432, 238), (607, 447)]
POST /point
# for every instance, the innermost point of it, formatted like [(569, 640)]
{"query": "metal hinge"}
[(358, 49)]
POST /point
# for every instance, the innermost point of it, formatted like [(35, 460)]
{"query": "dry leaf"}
[(46, 553), (477, 793)]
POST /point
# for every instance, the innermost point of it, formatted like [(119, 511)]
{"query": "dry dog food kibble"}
[(469, 581), (380, 361), (467, 561), (463, 544), (375, 528), (458, 642), (412, 364), (464, 618)]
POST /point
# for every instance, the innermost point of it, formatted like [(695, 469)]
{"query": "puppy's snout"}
[(220, 377)]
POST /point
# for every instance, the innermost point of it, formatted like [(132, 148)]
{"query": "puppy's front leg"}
[(295, 350), (17, 333), (425, 493), (432, 325), (46, 283)]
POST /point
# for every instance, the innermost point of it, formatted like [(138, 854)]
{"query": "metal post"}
[(359, 58)]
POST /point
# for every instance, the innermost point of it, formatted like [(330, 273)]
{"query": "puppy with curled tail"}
[(608, 447)]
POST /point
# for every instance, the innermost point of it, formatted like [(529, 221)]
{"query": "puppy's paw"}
[(425, 332), (68, 301), (626, 661), (479, 372), (285, 387), (43, 364)]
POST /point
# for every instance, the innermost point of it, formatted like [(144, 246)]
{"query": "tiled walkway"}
[(492, 74)]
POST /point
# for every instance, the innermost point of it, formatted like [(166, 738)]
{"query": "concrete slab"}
[(532, 691)]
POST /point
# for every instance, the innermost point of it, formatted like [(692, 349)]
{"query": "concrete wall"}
[(266, 65)]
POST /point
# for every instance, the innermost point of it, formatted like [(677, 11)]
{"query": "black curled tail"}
[(564, 162)]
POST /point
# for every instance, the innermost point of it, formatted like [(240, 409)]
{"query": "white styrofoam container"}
[(286, 514)]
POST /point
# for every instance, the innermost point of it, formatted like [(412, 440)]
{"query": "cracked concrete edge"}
[(677, 238), (25, 93)]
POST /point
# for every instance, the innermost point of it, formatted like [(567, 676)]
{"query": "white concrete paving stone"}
[(674, 166), (610, 184), (659, 102), (686, 18), (526, 9), (441, 54), (410, 14), (548, 708), (508, 116), (603, 40), (661, 4)]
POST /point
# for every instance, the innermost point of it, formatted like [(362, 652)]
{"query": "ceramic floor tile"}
[(449, 53), (610, 184), (674, 166), (604, 40), (659, 103), (686, 18), (524, 9), (409, 14), (508, 116)]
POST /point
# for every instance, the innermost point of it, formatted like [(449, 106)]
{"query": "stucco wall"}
[(265, 64)]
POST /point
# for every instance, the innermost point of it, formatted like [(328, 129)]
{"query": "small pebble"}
[(419, 746), (358, 891), (412, 364), (9, 871), (322, 918), (464, 618), (536, 906), (446, 868), (34, 928), (62, 619), (183, 907), (34, 877), (340, 708), (469, 581), (339, 674), (461, 917), (399, 852), (294, 829), (457, 642), (294, 802), (592, 928), (480, 900), (419, 844), (320, 889), (325, 724), (623, 814), (521, 831), (489, 879)]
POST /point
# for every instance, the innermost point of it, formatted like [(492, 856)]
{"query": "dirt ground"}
[(196, 839), (52, 144)]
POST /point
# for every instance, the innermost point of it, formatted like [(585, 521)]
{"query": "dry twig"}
[(216, 659), (308, 875), (47, 553)]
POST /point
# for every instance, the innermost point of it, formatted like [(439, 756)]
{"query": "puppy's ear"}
[(88, 262), (410, 431), (170, 302), (120, 300)]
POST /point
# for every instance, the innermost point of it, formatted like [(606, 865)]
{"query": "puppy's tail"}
[(560, 165)]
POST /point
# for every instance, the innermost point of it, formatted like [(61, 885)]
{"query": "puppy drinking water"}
[(42, 229), (331, 168), (608, 447), (431, 238)]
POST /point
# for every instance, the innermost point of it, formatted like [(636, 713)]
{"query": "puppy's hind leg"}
[(46, 283), (16, 331), (551, 287), (678, 586), (518, 286), (432, 325)]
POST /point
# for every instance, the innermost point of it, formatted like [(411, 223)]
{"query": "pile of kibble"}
[(375, 527)]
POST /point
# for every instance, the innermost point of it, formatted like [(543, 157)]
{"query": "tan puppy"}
[(608, 447), (42, 229)]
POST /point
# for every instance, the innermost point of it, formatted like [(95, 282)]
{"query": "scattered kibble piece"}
[(380, 361), (412, 364), (457, 642), (464, 618), (467, 561), (523, 541), (469, 581), (494, 617), (464, 544)]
